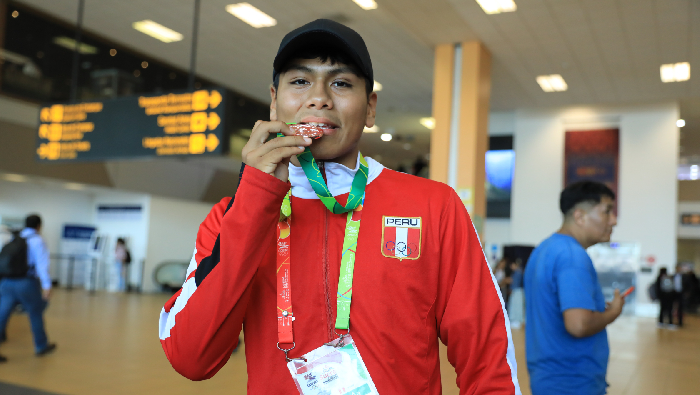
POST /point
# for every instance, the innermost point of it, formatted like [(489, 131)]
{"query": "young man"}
[(566, 343), (419, 273), (32, 290)]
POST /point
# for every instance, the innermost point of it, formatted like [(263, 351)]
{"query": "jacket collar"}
[(339, 178)]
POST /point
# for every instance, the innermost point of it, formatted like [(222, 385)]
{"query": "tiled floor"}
[(108, 344)]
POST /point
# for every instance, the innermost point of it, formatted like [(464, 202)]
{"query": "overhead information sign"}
[(189, 123)]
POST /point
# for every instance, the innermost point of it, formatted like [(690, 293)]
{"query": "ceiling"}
[(608, 51)]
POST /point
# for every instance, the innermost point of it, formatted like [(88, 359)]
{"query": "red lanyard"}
[(285, 315)]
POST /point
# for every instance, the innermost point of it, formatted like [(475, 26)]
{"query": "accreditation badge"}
[(333, 369)]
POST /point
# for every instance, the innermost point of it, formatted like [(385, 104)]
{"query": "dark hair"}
[(663, 271), (583, 192), (327, 54), (121, 241), (32, 221)]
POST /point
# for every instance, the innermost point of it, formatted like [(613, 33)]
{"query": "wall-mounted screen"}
[(500, 165)]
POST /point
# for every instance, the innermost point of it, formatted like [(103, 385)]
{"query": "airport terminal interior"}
[(122, 123)]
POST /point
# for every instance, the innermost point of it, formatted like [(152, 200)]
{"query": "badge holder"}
[(336, 368)]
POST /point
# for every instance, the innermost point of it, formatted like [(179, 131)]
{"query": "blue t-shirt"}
[(559, 276)]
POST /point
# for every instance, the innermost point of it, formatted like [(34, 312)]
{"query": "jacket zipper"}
[(326, 265), (327, 269)]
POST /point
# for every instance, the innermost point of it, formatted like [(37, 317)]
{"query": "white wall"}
[(647, 182), (172, 231), (57, 206), (502, 123), (135, 229), (166, 230)]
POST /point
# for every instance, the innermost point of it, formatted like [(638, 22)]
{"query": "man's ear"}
[(579, 215), (371, 110), (273, 103)]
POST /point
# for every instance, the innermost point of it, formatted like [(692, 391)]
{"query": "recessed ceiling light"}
[(74, 186), (137, 73), (682, 71), (552, 83), (373, 129), (428, 122), (366, 4), (144, 64), (680, 123), (113, 52), (497, 6), (157, 31), (251, 15), (69, 43), (15, 177), (386, 137), (377, 87), (15, 14), (675, 72)]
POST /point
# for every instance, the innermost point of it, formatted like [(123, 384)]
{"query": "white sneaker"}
[(660, 325), (672, 327)]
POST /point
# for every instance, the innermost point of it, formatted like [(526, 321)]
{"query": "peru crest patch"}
[(401, 237)]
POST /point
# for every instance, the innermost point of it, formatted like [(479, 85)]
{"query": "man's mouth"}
[(327, 126)]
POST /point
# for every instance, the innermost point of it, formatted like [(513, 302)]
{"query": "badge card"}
[(332, 370)]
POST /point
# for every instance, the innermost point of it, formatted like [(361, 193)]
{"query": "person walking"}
[(566, 342), (665, 291), (32, 288), (679, 287), (122, 259), (516, 300)]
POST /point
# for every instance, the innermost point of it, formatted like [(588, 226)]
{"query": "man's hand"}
[(584, 323), (46, 293), (615, 306), (272, 157)]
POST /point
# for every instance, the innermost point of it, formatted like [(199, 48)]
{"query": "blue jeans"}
[(27, 292)]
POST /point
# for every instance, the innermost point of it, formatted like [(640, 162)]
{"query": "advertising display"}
[(187, 124), (592, 155)]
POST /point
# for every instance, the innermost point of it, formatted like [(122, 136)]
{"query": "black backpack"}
[(14, 258), (127, 258)]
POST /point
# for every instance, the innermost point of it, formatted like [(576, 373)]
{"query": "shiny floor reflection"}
[(108, 344)]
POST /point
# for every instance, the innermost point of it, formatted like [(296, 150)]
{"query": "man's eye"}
[(299, 82), (342, 84)]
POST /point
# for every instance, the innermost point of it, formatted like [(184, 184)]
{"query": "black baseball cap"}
[(324, 32)]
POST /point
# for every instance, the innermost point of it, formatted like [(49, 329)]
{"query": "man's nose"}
[(319, 97)]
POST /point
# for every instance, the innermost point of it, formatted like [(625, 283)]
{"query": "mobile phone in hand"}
[(628, 292)]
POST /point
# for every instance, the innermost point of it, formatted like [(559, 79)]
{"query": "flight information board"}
[(189, 123)]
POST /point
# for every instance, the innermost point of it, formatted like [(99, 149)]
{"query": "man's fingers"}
[(278, 155), (262, 130), (279, 142)]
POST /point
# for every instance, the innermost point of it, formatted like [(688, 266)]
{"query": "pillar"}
[(458, 143)]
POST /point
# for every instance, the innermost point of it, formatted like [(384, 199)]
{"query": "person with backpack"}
[(665, 291), (24, 269)]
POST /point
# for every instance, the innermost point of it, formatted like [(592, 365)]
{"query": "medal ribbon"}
[(313, 174), (285, 316)]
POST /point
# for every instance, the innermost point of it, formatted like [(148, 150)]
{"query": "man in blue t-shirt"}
[(566, 313)]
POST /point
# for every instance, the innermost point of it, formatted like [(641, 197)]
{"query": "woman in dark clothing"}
[(666, 293)]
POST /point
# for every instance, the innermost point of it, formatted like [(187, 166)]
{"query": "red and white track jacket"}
[(399, 307)]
